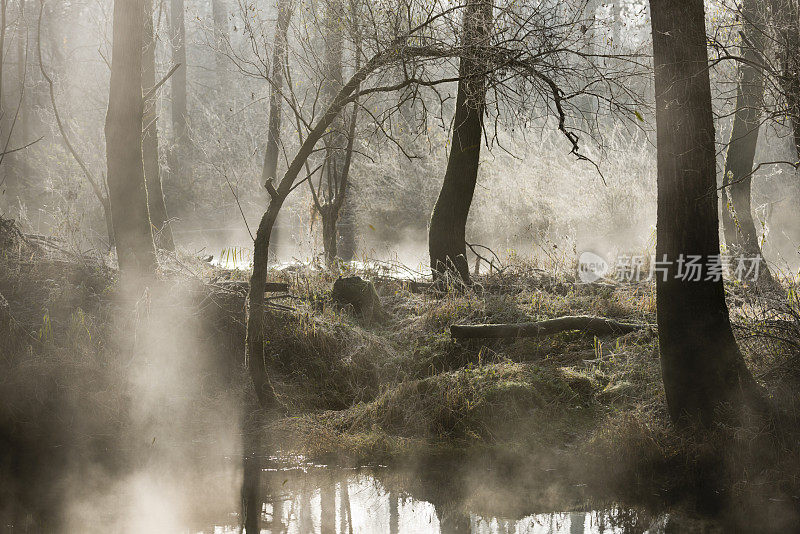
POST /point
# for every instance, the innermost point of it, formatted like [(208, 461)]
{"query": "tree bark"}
[(279, 59), (178, 91), (152, 173), (447, 232), (598, 326), (739, 227), (329, 218), (123, 129), (786, 16), (702, 367), (334, 140)]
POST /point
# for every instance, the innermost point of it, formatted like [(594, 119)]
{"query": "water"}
[(306, 499)]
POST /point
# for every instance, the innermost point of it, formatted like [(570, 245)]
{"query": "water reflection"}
[(321, 500)]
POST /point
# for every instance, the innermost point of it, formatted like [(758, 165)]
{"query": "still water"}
[(316, 499)]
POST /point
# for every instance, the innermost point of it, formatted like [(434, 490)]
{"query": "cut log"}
[(598, 326)]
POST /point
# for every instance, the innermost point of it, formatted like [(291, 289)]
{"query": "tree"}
[(178, 89), (701, 364), (95, 184), (786, 21), (126, 187), (739, 228), (152, 172), (447, 232), (220, 17), (331, 193), (279, 64)]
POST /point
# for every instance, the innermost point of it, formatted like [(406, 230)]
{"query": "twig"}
[(152, 91)]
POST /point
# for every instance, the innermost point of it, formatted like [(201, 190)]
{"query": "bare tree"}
[(126, 186), (703, 369), (333, 188), (738, 224), (98, 186), (178, 90), (152, 172), (447, 233)]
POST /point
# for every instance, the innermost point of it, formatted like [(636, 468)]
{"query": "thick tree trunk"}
[(152, 174), (740, 231), (126, 187), (447, 233), (701, 363), (178, 91)]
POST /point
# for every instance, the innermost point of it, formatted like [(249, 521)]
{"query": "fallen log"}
[(598, 326)]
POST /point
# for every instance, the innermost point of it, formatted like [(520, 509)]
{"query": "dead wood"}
[(598, 326)]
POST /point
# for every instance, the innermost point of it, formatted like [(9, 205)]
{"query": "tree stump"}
[(361, 295)]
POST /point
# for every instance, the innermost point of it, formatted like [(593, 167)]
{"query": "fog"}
[(130, 394)]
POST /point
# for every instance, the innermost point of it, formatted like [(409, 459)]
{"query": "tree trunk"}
[(279, 59), (701, 364), (740, 232), (347, 225), (178, 91), (5, 124), (447, 233), (16, 177), (335, 139), (126, 187), (220, 16), (152, 174), (329, 216)]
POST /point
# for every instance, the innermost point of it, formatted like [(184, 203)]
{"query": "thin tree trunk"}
[(702, 366), (740, 231), (152, 173), (329, 237), (220, 16), (178, 91), (4, 123), (347, 225), (447, 233), (22, 67), (18, 162), (335, 140), (279, 59), (123, 129), (327, 505)]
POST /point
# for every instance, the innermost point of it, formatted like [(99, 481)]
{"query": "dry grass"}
[(400, 389)]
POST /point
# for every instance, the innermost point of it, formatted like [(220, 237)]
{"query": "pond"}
[(312, 498)]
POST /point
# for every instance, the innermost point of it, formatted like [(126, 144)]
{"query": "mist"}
[(401, 266)]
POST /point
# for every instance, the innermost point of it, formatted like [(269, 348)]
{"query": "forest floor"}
[(398, 390)]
